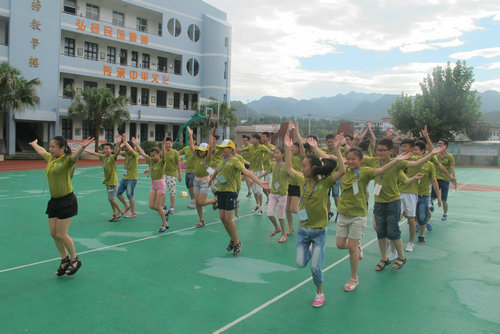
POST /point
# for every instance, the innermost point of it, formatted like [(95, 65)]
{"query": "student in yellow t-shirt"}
[(228, 176), (352, 208), (172, 172), (63, 204), (186, 153), (293, 193), (277, 197), (130, 176), (246, 155), (315, 182), (201, 165), (108, 159), (156, 165), (445, 173)]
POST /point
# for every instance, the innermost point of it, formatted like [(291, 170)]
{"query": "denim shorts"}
[(422, 209), (127, 185), (190, 179), (444, 186), (387, 220), (112, 192)]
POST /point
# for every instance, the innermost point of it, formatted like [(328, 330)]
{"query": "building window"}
[(177, 100), (67, 128), (109, 134), (90, 51), (186, 101), (225, 70), (225, 97), (89, 84), (133, 95), (122, 91), (193, 67), (145, 60), (135, 59), (111, 54), (226, 42), (70, 6), (194, 101), (132, 130), (160, 29), (177, 66), (68, 87), (161, 98), (92, 12), (145, 96), (142, 24), (87, 129), (174, 27), (118, 19), (144, 132), (194, 33), (69, 47), (162, 64), (159, 132), (123, 57), (111, 88)]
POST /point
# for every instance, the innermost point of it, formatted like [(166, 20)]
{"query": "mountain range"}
[(353, 106)]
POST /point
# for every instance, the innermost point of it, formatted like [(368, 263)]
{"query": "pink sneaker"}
[(131, 215), (319, 300)]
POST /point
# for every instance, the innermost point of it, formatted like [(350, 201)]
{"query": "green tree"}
[(100, 107), (15, 91), (480, 132), (447, 104)]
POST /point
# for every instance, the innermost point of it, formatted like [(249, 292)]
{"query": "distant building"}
[(164, 55)]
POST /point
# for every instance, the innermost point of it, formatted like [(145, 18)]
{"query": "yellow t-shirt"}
[(186, 151), (171, 159), (109, 166), (267, 158), (389, 180), (131, 165), (411, 172), (155, 168), (297, 166), (429, 171), (447, 161), (256, 156), (314, 199), (229, 174), (279, 183), (350, 204), (200, 166), (59, 172), (216, 157)]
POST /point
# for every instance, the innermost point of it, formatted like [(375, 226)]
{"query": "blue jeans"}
[(422, 209), (129, 186), (190, 179), (444, 187), (387, 220), (316, 236)]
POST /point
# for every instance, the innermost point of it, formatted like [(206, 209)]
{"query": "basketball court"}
[(135, 280)]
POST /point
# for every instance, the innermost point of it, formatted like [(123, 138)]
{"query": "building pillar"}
[(10, 145), (51, 133)]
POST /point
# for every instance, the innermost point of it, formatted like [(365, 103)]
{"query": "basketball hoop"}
[(213, 118)]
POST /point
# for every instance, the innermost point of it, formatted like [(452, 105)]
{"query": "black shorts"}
[(227, 200), (62, 207), (293, 190)]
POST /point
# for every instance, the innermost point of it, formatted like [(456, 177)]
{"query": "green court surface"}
[(134, 280)]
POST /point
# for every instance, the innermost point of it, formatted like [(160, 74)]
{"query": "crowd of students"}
[(297, 179)]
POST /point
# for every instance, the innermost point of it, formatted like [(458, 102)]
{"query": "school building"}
[(165, 55)]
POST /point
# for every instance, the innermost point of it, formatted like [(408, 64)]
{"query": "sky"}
[(315, 48)]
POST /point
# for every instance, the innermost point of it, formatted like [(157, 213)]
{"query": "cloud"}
[(490, 66), (485, 53), (269, 37)]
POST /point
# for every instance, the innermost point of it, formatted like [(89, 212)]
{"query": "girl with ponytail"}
[(314, 181), (63, 204)]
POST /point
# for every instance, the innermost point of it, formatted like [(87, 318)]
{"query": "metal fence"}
[(484, 153)]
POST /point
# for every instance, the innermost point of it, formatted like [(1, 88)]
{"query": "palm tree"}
[(15, 91), (100, 107), (227, 118)]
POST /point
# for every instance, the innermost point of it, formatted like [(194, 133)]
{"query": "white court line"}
[(117, 245), (275, 299), (471, 223)]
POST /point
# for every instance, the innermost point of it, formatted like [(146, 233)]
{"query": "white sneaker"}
[(410, 246), (192, 205), (260, 212), (256, 209), (393, 256)]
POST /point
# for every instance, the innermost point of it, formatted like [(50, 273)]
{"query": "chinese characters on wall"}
[(36, 26)]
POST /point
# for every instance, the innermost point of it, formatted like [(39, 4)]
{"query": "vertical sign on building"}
[(36, 25)]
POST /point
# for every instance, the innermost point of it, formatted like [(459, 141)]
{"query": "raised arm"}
[(138, 147), (179, 172), (413, 178), (255, 179), (298, 138), (191, 140), (76, 155), (95, 154), (118, 139), (128, 148), (372, 135), (428, 140), (340, 161), (40, 150), (435, 186), (392, 163), (426, 157), (288, 142)]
